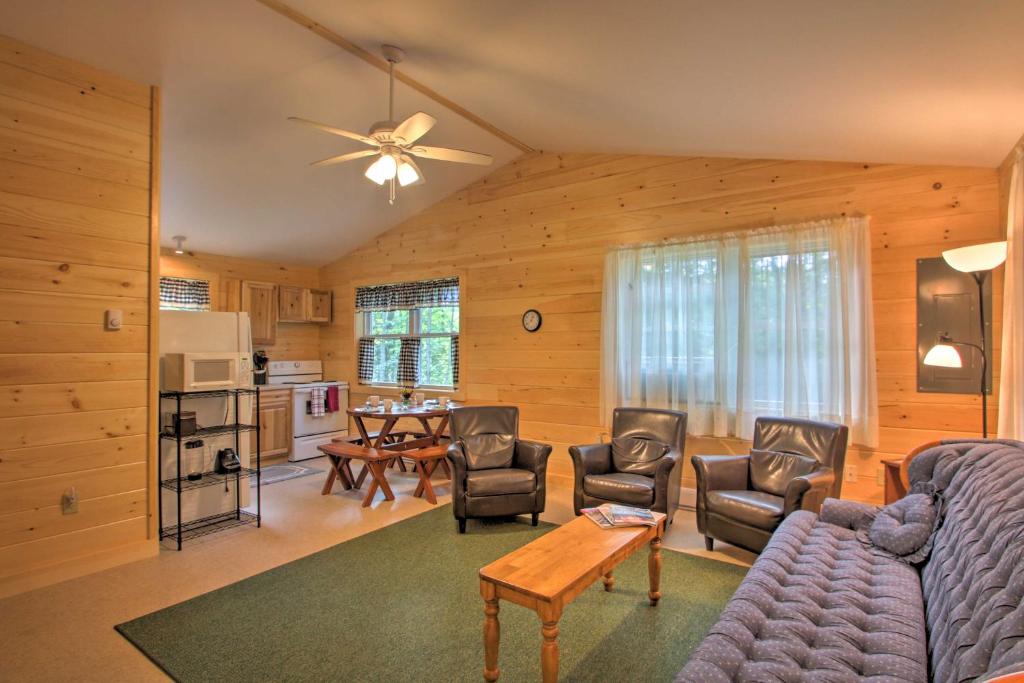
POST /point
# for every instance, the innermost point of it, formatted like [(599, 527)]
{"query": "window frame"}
[(366, 326)]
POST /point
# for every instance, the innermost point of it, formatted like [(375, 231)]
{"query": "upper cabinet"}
[(259, 300), (320, 305), (292, 304)]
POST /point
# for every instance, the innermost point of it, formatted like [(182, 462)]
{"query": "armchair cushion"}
[(622, 487), (489, 451), (637, 456), (500, 482), (771, 471), (754, 508)]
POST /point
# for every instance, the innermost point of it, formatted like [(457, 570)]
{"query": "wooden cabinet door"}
[(259, 302), (292, 304), (320, 305), (275, 424)]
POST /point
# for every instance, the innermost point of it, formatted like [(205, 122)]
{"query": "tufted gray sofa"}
[(818, 605)]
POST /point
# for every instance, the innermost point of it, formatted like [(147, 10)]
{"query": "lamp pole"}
[(979, 277)]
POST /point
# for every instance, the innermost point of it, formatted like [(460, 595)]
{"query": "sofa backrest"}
[(973, 581)]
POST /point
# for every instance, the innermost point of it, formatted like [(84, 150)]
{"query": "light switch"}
[(113, 319)]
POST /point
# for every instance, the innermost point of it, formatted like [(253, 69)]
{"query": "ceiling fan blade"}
[(334, 131), (414, 127), (457, 155), (345, 157)]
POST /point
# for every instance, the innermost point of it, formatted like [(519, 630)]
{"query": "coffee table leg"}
[(609, 582), (654, 570), (549, 616), (492, 631)]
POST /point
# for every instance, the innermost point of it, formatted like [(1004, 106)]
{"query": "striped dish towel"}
[(317, 399)]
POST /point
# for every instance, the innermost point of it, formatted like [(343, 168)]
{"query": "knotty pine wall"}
[(75, 240), (295, 341), (534, 233)]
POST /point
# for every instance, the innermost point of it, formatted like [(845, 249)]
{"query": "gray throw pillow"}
[(771, 471), (904, 528), (489, 451), (637, 456)]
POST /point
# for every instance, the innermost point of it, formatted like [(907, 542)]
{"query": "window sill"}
[(456, 394)]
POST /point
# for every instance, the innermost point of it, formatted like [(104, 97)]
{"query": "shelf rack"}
[(183, 531)]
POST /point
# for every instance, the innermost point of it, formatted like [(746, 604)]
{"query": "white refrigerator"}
[(204, 332)]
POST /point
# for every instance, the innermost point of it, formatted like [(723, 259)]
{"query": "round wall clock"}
[(531, 320)]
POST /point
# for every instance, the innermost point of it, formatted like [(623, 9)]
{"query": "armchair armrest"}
[(721, 472), (666, 482), (457, 456), (595, 458), (848, 514), (531, 455), (807, 492)]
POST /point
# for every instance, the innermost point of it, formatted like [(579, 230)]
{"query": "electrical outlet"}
[(880, 475), (850, 474), (69, 501)]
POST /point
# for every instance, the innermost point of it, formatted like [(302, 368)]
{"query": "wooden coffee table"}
[(545, 575)]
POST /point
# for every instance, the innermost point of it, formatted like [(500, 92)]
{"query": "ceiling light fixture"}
[(179, 241), (395, 142)]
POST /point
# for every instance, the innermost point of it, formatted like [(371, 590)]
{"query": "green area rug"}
[(403, 604)]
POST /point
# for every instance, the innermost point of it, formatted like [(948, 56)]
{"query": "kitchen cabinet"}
[(259, 300), (292, 306), (275, 422), (319, 305)]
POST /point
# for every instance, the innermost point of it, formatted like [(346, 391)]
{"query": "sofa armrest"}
[(808, 492), (721, 472), (531, 455), (595, 458), (848, 514)]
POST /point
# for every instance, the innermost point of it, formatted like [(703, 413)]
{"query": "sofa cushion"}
[(487, 451), (817, 606), (904, 528), (757, 509), (621, 487), (771, 471), (637, 456), (500, 481)]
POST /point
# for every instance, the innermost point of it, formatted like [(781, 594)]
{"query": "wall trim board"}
[(153, 369)]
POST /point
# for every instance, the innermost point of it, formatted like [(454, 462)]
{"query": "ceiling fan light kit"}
[(394, 142)]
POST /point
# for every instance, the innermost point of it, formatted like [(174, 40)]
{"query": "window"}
[(184, 294), (410, 334), (770, 322)]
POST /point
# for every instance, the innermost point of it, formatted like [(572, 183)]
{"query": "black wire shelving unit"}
[(182, 531)]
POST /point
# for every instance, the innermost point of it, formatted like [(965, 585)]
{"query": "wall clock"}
[(531, 320)]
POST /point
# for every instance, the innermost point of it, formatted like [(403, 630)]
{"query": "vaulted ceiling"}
[(916, 81)]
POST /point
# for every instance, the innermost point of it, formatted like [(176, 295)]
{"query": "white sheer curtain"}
[(1011, 388), (776, 321)]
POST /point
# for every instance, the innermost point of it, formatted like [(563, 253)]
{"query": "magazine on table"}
[(609, 516)]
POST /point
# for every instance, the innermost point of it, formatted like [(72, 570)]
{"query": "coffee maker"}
[(259, 367)]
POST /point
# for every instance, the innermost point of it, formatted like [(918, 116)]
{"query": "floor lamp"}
[(978, 260)]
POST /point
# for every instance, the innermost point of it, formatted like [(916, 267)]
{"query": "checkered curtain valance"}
[(443, 292), (409, 361), (184, 294)]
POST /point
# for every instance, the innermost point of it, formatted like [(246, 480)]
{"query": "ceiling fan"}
[(394, 143)]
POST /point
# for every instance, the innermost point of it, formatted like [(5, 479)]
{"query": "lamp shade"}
[(383, 169), (943, 356), (977, 257), (408, 173)]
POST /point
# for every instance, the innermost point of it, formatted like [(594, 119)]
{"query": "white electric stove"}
[(309, 431)]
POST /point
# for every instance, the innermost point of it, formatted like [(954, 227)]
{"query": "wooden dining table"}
[(389, 445)]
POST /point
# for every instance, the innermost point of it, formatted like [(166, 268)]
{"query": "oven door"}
[(206, 371), (304, 424)]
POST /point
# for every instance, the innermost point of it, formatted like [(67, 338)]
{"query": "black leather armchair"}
[(793, 465), (494, 472), (641, 467)]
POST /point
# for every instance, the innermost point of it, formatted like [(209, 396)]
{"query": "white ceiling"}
[(915, 81)]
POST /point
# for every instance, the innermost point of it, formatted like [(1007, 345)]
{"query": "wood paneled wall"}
[(295, 341), (75, 240), (534, 233)]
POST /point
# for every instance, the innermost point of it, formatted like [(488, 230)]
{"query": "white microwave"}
[(206, 371)]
